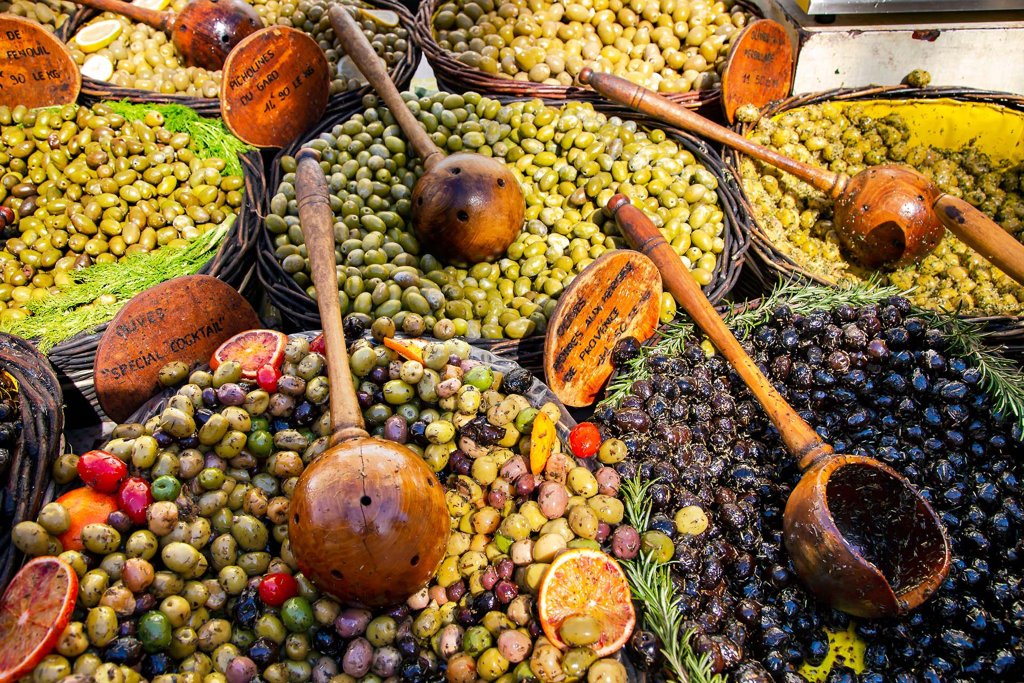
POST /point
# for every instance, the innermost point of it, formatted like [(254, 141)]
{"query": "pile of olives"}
[(144, 58), (569, 161), (798, 220), (201, 581), (672, 46), (87, 186), (50, 13)]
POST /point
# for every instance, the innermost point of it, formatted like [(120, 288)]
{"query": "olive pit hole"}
[(366, 500), (501, 182), (456, 171), (295, 518), (462, 216), (335, 573)]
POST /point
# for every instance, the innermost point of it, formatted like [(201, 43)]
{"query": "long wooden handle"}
[(982, 234), (317, 221), (365, 57), (801, 440), (150, 17), (649, 102)]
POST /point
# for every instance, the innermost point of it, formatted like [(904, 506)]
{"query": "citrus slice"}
[(152, 4), (84, 506), (348, 70), (384, 17), (98, 35), (252, 350), (589, 583), (98, 68), (34, 611)]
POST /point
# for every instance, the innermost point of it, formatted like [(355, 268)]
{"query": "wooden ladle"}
[(203, 32), (466, 208), (861, 536), (368, 521), (886, 216)]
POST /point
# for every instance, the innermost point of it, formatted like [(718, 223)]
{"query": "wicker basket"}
[(768, 264), (299, 311), (93, 90), (233, 263), (456, 76), (26, 483)]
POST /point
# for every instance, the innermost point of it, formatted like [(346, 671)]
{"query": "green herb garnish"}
[(100, 291), (210, 138)]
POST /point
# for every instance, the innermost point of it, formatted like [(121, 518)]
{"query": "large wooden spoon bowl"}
[(861, 536), (368, 522), (203, 32), (466, 208)]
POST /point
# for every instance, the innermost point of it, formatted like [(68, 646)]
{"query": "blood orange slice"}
[(84, 506), (589, 583), (34, 611), (252, 349)]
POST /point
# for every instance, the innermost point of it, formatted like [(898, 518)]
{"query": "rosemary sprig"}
[(651, 583), (637, 503), (1002, 378)]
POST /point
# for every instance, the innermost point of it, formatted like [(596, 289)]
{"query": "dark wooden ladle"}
[(861, 536), (466, 207), (368, 521), (203, 32), (886, 216)]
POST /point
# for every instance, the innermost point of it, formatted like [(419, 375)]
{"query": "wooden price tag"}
[(759, 68), (184, 319), (617, 295), (36, 69), (275, 86)]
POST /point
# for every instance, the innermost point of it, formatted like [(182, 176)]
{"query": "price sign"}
[(616, 296), (759, 68), (275, 86), (36, 69), (184, 319)]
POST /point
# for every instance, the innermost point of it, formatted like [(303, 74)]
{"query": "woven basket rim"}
[(298, 310), (93, 90), (457, 76), (767, 262)]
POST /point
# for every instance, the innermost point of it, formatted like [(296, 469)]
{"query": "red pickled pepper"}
[(584, 440), (101, 471), (276, 588), (134, 499)]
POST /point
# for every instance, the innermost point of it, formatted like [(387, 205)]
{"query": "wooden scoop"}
[(860, 535), (203, 32), (368, 521), (886, 216), (467, 207)]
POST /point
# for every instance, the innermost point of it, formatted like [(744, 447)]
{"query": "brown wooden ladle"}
[(203, 32), (466, 207), (886, 216), (860, 535), (368, 521)]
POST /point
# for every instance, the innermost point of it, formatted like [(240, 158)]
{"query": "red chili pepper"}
[(267, 377), (275, 589), (318, 345), (101, 471), (584, 439), (134, 498)]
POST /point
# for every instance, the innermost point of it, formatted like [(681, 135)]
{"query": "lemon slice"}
[(97, 36), (384, 17), (98, 68), (152, 4), (348, 70)]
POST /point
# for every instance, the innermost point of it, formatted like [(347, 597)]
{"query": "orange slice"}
[(590, 583), (34, 611), (252, 349), (84, 506)]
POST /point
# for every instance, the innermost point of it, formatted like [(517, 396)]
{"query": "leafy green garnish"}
[(100, 291), (210, 138)]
